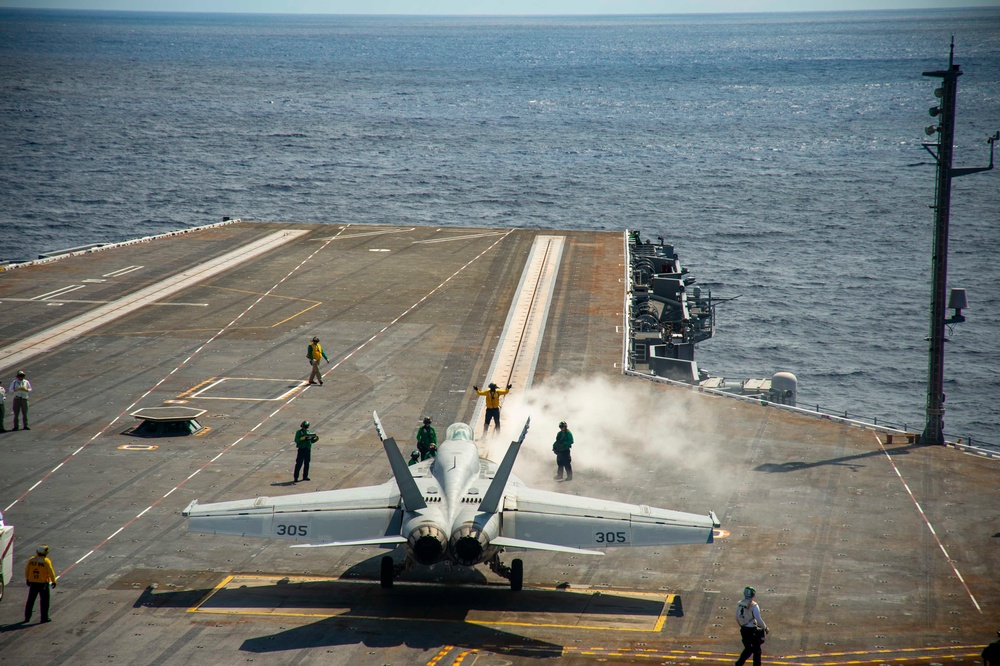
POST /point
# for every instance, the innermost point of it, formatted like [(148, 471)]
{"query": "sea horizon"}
[(780, 152)]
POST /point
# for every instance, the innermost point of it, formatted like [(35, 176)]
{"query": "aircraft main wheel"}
[(385, 572), (516, 575)]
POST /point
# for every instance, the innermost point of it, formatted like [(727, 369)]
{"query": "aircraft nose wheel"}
[(386, 572)]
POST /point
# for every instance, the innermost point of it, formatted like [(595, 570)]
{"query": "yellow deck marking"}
[(225, 581), (862, 657), (334, 611), (187, 393)]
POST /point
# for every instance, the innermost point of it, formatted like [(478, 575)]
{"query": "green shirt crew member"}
[(315, 354), (3, 407), (39, 574), (414, 457), (303, 445), (427, 440), (561, 447)]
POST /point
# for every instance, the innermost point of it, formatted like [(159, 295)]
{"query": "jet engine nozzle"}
[(428, 544), (468, 544)]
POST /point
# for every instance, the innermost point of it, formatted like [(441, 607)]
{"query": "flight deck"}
[(863, 550)]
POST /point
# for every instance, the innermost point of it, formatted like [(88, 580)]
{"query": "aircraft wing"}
[(347, 516), (581, 522)]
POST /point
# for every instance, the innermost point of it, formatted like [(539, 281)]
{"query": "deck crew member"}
[(39, 574), (561, 447), (427, 439), (752, 627), (492, 405), (3, 407), (414, 457), (20, 388), (315, 354), (303, 445)]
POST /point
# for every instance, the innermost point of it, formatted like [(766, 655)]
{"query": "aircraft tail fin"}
[(494, 494), (408, 490)]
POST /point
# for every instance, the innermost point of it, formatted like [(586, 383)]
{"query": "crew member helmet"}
[(304, 424), (20, 373), (749, 592), (427, 420), (562, 424), (414, 453), (42, 550), (492, 385), (315, 339)]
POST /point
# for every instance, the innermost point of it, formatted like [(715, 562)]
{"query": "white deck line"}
[(520, 342), (39, 343)]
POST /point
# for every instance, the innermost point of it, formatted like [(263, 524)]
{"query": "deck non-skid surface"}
[(861, 552)]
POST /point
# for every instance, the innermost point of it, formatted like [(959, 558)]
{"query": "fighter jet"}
[(456, 508)]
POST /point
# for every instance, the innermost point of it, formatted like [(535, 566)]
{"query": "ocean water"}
[(780, 153)]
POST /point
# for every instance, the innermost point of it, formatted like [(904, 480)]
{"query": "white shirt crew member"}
[(20, 388), (748, 608)]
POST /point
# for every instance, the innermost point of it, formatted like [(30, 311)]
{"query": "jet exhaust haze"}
[(614, 422)]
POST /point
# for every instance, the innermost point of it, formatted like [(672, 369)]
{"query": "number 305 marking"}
[(610, 537), (291, 530)]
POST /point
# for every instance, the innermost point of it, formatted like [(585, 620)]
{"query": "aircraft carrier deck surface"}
[(862, 552)]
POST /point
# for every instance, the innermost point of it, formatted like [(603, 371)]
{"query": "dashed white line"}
[(927, 522), (288, 402)]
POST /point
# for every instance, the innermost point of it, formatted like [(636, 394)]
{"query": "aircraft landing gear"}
[(514, 573), (386, 572), (390, 571)]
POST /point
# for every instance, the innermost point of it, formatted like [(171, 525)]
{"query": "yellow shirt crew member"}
[(39, 573), (39, 569), (492, 396), (316, 355), (492, 405)]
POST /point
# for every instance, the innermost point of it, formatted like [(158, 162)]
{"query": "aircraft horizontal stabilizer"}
[(507, 542), (389, 540)]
